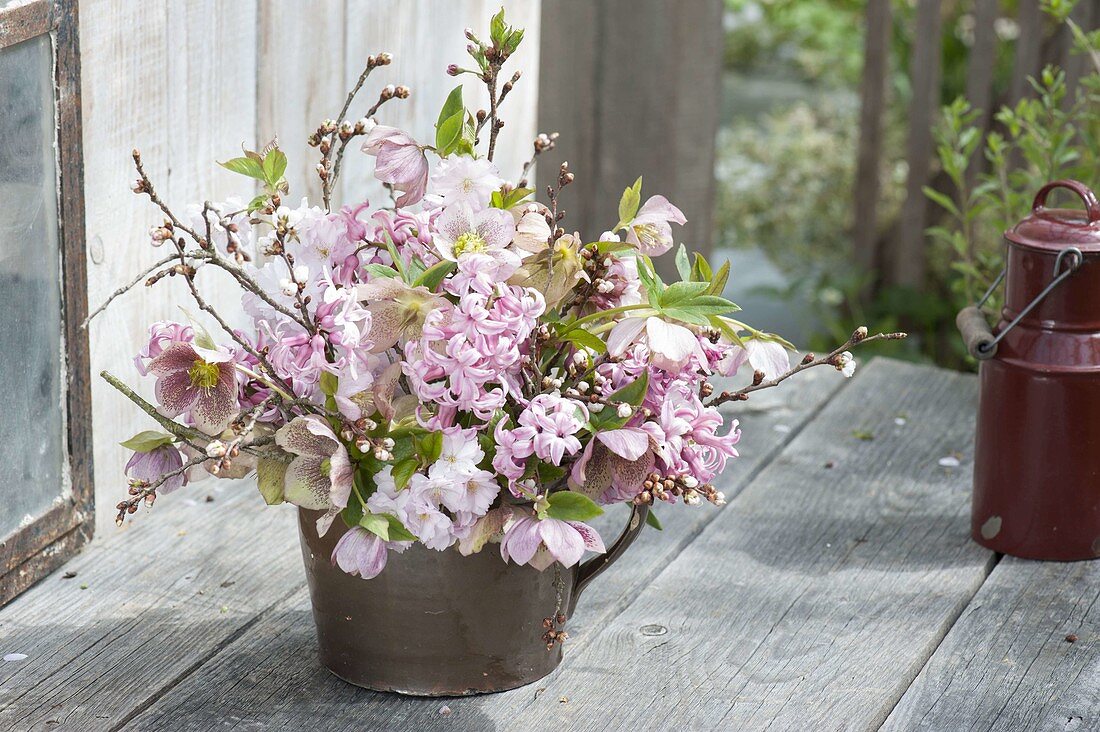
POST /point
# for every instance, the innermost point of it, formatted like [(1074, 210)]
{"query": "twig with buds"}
[(122, 290), (543, 143), (333, 136), (145, 492), (834, 358)]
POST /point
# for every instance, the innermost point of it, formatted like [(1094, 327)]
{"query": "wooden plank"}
[(821, 592), (162, 596), (1029, 44), (424, 37), (1007, 664), (908, 260), (872, 112), (979, 75), (269, 677), (178, 81), (298, 84), (656, 68), (124, 48), (568, 104)]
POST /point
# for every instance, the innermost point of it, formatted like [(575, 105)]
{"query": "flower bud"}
[(215, 449), (624, 411)]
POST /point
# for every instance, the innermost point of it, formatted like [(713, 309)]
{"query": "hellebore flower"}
[(613, 466), (320, 475), (553, 271), (401, 162), (151, 466), (397, 310), (540, 542), (671, 346), (162, 335), (769, 357), (461, 230), (650, 230), (360, 553), (200, 381)]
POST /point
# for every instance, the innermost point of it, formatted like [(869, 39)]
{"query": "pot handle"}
[(1092, 205), (589, 570)]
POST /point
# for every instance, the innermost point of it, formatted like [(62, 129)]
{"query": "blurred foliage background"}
[(788, 145)]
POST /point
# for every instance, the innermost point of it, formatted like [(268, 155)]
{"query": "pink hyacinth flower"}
[(401, 162)]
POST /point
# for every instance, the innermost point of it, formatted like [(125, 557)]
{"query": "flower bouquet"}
[(449, 386)]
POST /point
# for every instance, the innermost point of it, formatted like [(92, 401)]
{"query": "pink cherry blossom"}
[(463, 179), (400, 162), (462, 231), (672, 346)]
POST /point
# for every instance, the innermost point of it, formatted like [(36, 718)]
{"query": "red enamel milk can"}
[(1037, 448)]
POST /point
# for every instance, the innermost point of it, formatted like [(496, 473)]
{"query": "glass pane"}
[(31, 416)]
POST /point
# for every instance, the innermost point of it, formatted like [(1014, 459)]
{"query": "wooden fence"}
[(897, 251)]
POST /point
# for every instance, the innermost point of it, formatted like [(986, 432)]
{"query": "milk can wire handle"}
[(1075, 259)]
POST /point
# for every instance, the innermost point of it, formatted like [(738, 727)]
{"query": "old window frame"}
[(40, 546)]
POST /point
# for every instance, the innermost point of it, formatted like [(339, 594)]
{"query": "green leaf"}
[(403, 471), (353, 512), (452, 106), (685, 315), (429, 446), (398, 532), (257, 203), (719, 279), (329, 383), (274, 166), (203, 339), (633, 393), (700, 270), (582, 337), (245, 166), (377, 524), (270, 478), (498, 29), (381, 270), (147, 441), (448, 134), (435, 274), (682, 265), (681, 293), (570, 506), (651, 520), (630, 202)]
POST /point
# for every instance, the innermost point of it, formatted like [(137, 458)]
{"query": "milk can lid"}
[(1052, 229)]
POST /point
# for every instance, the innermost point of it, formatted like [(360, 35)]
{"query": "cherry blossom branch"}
[(146, 492), (189, 435), (543, 143), (834, 358), (347, 132), (122, 290)]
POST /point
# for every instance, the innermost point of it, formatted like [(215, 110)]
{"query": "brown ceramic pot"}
[(438, 623)]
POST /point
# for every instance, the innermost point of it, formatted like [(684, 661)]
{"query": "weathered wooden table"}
[(837, 590)]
